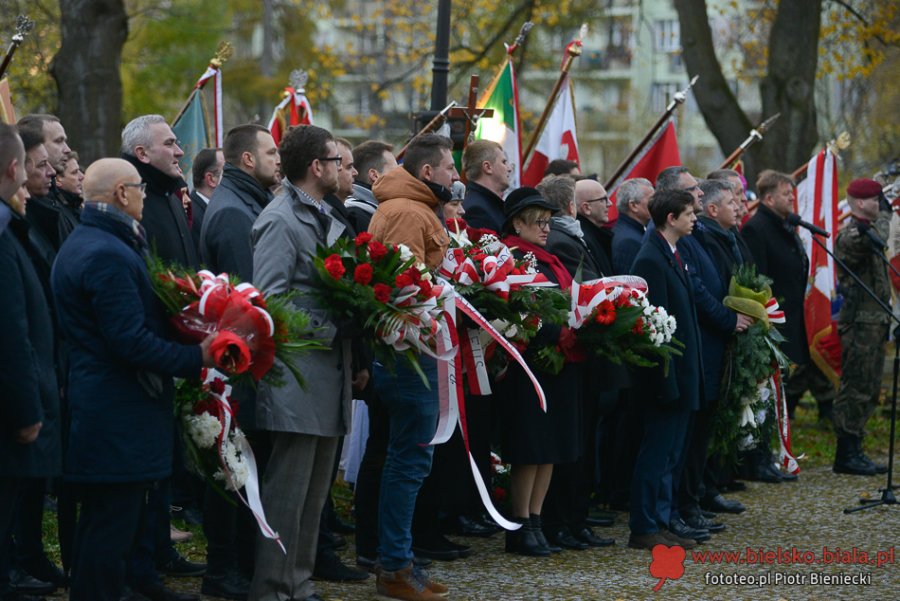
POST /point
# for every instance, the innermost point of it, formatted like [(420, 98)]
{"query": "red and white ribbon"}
[(586, 296), (786, 455), (776, 315), (252, 501)]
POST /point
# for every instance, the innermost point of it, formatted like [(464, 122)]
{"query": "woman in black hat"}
[(533, 440)]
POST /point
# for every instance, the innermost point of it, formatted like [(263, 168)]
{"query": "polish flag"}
[(558, 139)]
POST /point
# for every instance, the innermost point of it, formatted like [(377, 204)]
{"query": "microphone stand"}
[(887, 493)]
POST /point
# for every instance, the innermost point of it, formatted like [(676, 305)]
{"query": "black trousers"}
[(368, 480), (690, 489), (9, 492), (105, 536)]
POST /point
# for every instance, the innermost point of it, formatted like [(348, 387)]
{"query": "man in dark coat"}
[(592, 203), (667, 399), (632, 198), (566, 238), (120, 387), (373, 159), (487, 171), (779, 254), (206, 172), (29, 413), (149, 144), (251, 167)]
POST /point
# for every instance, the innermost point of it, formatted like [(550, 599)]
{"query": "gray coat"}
[(284, 241)]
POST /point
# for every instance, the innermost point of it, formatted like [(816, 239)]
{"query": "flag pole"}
[(430, 126), (677, 99), (223, 53), (23, 26), (520, 39), (572, 50), (756, 135)]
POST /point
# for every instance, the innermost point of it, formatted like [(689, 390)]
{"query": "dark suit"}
[(572, 252), (599, 242), (484, 209), (628, 235), (198, 210), (667, 399)]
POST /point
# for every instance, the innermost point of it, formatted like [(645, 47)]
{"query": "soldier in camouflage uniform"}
[(862, 325)]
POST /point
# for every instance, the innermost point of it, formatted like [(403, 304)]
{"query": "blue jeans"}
[(413, 412)]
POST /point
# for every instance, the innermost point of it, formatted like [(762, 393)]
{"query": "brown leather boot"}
[(404, 585)]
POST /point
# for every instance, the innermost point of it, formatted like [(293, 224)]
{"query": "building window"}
[(661, 94), (668, 36)]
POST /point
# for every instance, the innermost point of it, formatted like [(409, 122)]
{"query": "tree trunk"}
[(86, 70), (721, 111), (789, 85), (787, 88)]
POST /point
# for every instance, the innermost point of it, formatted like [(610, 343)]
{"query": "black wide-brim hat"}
[(523, 198)]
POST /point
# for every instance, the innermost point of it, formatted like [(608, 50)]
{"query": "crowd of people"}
[(89, 361)]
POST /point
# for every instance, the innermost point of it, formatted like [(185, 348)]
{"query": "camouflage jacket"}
[(856, 250)]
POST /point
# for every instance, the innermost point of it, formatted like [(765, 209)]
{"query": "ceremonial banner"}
[(192, 131), (7, 112), (294, 109), (192, 126), (558, 139), (660, 152), (502, 96), (817, 199)]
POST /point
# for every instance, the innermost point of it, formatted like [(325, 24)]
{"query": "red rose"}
[(425, 287), (403, 280), (362, 238), (413, 274), (638, 328), (335, 266), (377, 250), (363, 273), (217, 386), (382, 293), (230, 353)]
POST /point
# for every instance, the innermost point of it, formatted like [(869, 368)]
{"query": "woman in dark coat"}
[(534, 440)]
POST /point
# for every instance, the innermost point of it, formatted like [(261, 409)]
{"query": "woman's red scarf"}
[(562, 275)]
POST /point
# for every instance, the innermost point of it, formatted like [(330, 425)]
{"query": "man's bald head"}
[(592, 201), (115, 182)]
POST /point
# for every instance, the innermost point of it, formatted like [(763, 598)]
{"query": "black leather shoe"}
[(46, 570), (330, 539), (708, 514), (601, 522), (563, 538), (735, 486), (698, 522), (232, 585), (767, 473), (435, 547), (524, 541), (18, 597), (720, 504), (586, 535), (330, 567), (466, 526), (682, 530), (179, 566), (789, 477), (158, 592), (463, 550), (23, 583)]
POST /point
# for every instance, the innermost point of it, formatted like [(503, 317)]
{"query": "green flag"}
[(192, 132), (503, 127)]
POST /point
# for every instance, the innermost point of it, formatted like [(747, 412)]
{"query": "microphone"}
[(794, 219), (868, 231)]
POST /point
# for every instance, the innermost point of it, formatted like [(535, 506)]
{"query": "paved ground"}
[(805, 516)]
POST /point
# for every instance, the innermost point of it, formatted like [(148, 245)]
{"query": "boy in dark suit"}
[(667, 399)]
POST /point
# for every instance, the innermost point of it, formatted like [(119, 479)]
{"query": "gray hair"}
[(137, 132), (559, 190), (668, 178), (631, 190), (712, 191)]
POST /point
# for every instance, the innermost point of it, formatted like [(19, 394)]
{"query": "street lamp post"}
[(441, 64)]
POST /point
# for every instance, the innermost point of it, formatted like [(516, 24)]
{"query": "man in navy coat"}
[(487, 170), (120, 386), (668, 398)]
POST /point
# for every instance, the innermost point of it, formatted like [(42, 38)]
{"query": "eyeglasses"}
[(337, 159), (603, 199), (141, 186), (543, 224)]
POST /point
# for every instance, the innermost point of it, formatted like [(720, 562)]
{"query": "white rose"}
[(405, 253), (204, 429)]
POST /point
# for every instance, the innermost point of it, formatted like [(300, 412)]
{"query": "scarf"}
[(562, 275)]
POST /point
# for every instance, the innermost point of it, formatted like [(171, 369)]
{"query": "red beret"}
[(863, 188)]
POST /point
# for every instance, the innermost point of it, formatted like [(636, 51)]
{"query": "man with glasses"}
[(206, 172), (632, 198), (566, 239), (593, 214), (149, 144)]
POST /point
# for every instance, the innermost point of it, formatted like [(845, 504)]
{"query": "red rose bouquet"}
[(383, 293)]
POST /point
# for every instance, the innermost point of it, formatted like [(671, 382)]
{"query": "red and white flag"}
[(659, 153), (558, 139), (817, 200), (294, 109)]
